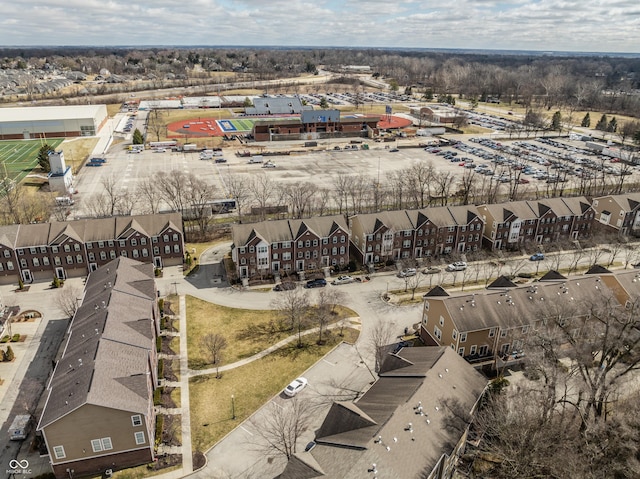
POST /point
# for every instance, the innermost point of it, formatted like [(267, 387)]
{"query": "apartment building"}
[(289, 246), (40, 252), (99, 413), (618, 213)]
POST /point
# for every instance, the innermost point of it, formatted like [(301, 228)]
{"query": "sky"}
[(541, 25)]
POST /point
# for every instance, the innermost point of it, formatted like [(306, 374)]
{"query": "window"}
[(112, 254), (251, 249), (461, 351), (156, 250), (441, 321), (176, 248), (135, 253), (110, 243), (167, 249), (343, 238), (175, 237), (96, 445), (472, 350), (103, 255), (437, 332), (503, 333), (165, 238), (36, 262), (286, 256), (69, 259), (154, 239), (100, 244), (315, 242), (20, 252), (54, 249), (67, 248), (334, 240), (307, 243), (454, 334), (76, 247), (143, 241), (89, 245), (23, 263), (463, 337), (492, 332), (145, 252), (123, 253), (7, 253), (45, 261), (58, 451), (134, 242), (79, 258), (136, 420), (139, 437), (32, 250), (57, 261), (342, 250), (243, 260), (92, 256), (43, 249)]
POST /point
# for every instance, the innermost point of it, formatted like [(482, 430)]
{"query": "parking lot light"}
[(233, 407)]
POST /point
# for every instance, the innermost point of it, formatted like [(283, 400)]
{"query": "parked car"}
[(394, 150), (269, 164), (220, 160), (405, 273), (285, 286), (316, 283), (431, 270), (537, 257), (295, 386), (457, 266), (342, 280)]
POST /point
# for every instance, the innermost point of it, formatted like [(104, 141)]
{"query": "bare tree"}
[(67, 300), (213, 345), (293, 306), (149, 195), (413, 283), (111, 196), (262, 190), (380, 337), (174, 188), (629, 254), (199, 194), (280, 427)]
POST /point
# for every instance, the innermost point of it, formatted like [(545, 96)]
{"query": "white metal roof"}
[(40, 113)]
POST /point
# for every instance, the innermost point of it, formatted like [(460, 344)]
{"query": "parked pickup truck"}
[(20, 427)]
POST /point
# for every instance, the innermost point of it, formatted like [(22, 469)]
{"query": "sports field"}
[(19, 157)]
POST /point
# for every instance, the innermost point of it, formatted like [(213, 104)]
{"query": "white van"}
[(256, 159), (64, 201)]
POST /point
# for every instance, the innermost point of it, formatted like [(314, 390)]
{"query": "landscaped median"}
[(241, 391)]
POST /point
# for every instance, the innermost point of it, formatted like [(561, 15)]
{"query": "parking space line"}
[(247, 431), (328, 362)]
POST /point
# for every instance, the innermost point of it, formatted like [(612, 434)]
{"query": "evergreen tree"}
[(586, 121), (612, 127), (247, 102), (323, 103), (9, 355), (556, 121), (602, 124), (137, 137), (43, 157)]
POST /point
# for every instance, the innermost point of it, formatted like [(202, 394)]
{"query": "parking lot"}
[(536, 164)]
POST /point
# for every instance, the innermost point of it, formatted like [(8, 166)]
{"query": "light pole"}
[(233, 407)]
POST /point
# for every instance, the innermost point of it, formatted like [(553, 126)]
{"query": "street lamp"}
[(233, 407)]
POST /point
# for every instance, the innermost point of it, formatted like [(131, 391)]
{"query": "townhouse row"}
[(494, 326), (38, 252), (292, 246)]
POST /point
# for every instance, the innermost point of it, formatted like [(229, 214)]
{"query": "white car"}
[(405, 273), (269, 164), (343, 280), (457, 266), (295, 386)]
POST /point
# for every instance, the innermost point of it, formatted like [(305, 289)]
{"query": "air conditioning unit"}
[(108, 472)]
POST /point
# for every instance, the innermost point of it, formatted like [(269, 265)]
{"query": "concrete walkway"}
[(269, 350)]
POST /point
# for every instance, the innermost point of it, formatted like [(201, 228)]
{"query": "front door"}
[(93, 266), (504, 350), (483, 351), (157, 262), (26, 276), (60, 273), (300, 265)]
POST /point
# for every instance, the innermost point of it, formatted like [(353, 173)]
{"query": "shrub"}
[(9, 355), (157, 395), (55, 283), (159, 428), (20, 283), (161, 306), (160, 368), (159, 344), (15, 338), (1, 356), (5, 339), (157, 272)]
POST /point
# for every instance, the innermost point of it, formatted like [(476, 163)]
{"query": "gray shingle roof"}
[(428, 375), (106, 359)]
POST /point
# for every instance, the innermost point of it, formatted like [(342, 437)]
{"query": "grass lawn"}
[(251, 385), (113, 108), (247, 331), (139, 472), (196, 249), (19, 157)]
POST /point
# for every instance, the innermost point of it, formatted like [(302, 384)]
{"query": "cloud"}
[(587, 25)]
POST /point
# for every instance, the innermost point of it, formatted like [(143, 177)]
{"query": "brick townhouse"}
[(289, 246), (38, 252)]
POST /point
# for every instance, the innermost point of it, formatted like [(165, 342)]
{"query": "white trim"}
[(139, 437)]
